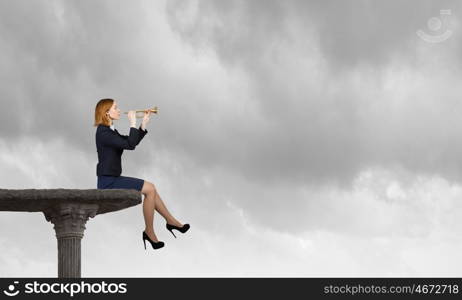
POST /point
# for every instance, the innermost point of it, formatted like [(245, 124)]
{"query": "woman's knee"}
[(148, 188)]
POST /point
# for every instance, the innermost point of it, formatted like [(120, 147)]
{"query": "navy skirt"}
[(120, 182)]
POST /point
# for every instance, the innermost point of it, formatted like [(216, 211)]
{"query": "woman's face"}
[(114, 112)]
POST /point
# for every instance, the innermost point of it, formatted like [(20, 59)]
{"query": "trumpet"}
[(153, 110)]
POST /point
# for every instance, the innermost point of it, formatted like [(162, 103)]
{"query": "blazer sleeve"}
[(142, 134), (116, 140)]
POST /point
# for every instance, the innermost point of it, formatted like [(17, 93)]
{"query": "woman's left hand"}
[(147, 115)]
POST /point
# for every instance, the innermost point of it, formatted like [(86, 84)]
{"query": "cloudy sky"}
[(298, 138)]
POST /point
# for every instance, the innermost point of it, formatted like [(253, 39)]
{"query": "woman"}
[(110, 145)]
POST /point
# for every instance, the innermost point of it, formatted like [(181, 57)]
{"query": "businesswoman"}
[(110, 145)]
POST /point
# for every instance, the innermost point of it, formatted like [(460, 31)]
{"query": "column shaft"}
[(69, 257)]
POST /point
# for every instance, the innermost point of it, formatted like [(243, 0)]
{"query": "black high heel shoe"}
[(155, 245), (180, 229)]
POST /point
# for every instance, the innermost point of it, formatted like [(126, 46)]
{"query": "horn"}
[(153, 110)]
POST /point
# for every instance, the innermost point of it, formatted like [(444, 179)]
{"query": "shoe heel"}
[(172, 232), (144, 244)]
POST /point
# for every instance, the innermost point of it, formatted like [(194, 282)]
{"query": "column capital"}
[(69, 218)]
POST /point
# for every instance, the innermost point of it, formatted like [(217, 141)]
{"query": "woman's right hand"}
[(132, 118)]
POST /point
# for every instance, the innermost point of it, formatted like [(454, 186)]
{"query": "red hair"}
[(102, 107)]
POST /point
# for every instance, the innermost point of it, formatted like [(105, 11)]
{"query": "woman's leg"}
[(161, 208), (149, 205)]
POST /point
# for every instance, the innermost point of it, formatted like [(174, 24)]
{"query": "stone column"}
[(69, 223)]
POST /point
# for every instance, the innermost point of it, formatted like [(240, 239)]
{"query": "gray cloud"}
[(347, 33), (302, 58)]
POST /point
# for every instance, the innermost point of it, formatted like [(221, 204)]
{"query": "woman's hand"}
[(147, 115), (132, 118)]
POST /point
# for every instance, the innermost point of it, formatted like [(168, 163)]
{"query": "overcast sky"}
[(298, 138)]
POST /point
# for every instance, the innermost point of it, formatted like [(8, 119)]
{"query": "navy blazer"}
[(110, 145)]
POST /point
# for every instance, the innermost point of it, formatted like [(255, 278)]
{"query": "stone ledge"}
[(39, 200)]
